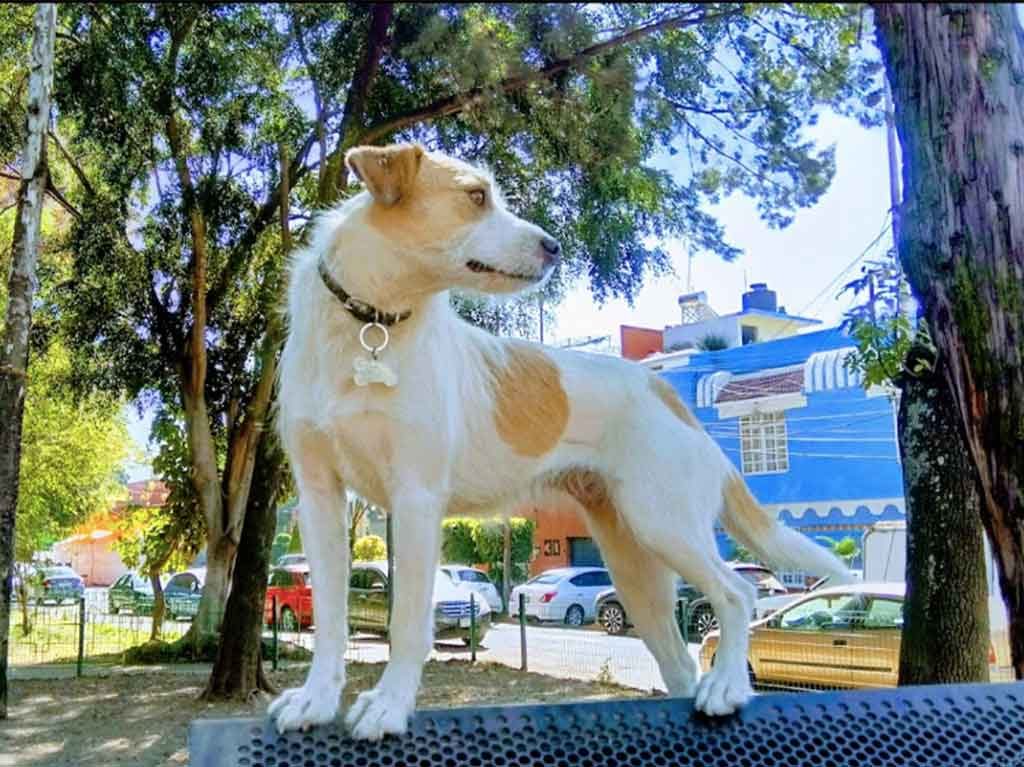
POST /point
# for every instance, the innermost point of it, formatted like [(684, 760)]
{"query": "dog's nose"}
[(551, 249)]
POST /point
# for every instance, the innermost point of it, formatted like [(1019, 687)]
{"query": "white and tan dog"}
[(447, 419)]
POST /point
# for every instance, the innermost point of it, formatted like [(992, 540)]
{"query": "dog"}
[(384, 390)]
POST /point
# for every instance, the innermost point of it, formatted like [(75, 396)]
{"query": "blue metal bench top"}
[(978, 725)]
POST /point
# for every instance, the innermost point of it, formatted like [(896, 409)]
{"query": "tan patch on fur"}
[(531, 408), (664, 391), (590, 490), (743, 511), (389, 172)]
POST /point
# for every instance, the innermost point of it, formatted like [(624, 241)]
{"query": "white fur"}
[(412, 448)]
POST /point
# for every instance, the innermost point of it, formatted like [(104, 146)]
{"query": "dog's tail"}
[(751, 524)]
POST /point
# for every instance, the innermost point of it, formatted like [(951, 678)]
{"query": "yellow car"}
[(839, 637)]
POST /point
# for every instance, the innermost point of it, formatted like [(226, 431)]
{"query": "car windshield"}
[(141, 584)]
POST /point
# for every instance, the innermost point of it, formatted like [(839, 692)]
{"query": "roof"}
[(776, 315), (789, 382)]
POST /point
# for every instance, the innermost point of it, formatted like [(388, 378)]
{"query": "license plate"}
[(464, 623)]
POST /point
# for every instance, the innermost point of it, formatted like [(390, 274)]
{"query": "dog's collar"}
[(361, 310)]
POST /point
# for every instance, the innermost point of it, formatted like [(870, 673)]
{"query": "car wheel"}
[(613, 618), (574, 616), (704, 621), (288, 620)]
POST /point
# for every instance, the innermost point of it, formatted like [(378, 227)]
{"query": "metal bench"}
[(979, 725)]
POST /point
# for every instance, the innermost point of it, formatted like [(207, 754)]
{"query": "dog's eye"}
[(478, 196)]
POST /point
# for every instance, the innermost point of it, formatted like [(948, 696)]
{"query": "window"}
[(823, 613), (763, 445), (592, 580), (376, 581), (884, 614), (749, 334), (473, 576), (281, 578)]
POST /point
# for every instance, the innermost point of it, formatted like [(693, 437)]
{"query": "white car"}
[(567, 594), (476, 580)]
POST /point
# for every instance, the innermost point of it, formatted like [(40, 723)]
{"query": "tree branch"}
[(332, 172), (79, 173), (453, 104)]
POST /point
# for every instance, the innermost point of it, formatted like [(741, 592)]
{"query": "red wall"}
[(638, 343), (555, 526)]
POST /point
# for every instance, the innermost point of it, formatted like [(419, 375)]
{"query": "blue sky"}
[(797, 262)]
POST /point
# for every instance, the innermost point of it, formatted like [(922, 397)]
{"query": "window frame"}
[(757, 456)]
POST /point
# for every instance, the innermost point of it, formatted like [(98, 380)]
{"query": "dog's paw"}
[(302, 707), (722, 691), (377, 713)]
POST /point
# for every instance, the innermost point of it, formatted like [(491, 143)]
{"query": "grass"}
[(54, 636)]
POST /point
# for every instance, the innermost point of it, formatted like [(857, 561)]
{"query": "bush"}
[(369, 548), (472, 542)]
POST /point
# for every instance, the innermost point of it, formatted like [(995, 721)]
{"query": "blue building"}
[(816, 447)]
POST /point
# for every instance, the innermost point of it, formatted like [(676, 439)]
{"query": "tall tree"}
[(946, 629), (21, 288), (173, 120), (955, 72)]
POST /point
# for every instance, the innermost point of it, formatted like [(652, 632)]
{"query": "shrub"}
[(369, 548)]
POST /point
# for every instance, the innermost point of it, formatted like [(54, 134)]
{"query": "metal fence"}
[(805, 654)]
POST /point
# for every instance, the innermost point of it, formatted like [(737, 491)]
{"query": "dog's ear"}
[(388, 172)]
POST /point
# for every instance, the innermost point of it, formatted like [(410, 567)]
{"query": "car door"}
[(594, 583), (807, 644), (875, 644)]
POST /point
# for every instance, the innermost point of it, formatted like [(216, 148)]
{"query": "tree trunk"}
[(946, 629), (21, 287), (159, 607), (955, 72), (238, 671)]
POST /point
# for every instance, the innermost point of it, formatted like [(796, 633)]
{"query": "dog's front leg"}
[(324, 531), (416, 519)]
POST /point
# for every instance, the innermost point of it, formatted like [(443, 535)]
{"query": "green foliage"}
[(280, 546), (295, 544), (880, 327), (369, 548), (846, 548), (712, 343), (72, 451), (741, 553), (482, 542)]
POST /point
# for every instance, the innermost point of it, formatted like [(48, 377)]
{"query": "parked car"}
[(56, 584), (131, 591), (566, 594), (368, 604), (291, 559), (842, 636), (478, 581), (290, 586), (700, 615), (183, 592)]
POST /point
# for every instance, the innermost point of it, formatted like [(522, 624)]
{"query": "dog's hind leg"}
[(644, 584), (325, 540), (678, 529), (416, 516)]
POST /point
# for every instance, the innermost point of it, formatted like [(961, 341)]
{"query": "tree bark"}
[(21, 289), (237, 673), (946, 628), (159, 607), (955, 72)]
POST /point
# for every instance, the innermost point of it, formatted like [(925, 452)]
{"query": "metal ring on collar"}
[(362, 337)]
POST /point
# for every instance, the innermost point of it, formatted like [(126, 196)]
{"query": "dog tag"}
[(371, 371)]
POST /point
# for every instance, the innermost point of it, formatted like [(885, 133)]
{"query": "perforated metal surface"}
[(949, 726)]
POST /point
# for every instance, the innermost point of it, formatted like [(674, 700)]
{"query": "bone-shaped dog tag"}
[(371, 371)]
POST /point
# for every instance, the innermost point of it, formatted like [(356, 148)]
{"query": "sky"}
[(798, 262)]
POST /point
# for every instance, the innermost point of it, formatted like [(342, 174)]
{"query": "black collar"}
[(362, 311)]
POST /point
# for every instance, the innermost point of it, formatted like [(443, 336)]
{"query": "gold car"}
[(844, 636)]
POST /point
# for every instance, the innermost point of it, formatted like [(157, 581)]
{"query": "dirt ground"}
[(141, 719)]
